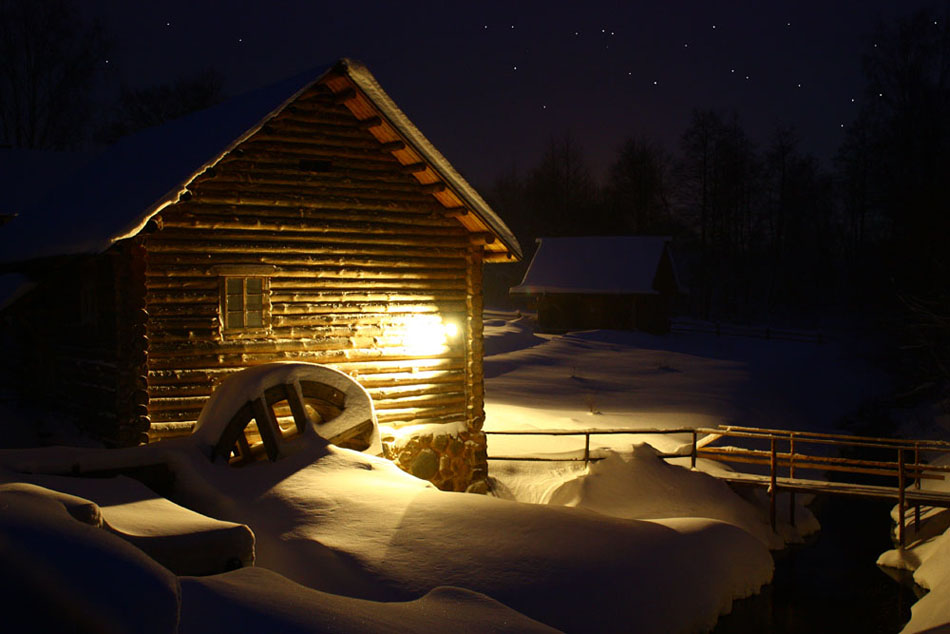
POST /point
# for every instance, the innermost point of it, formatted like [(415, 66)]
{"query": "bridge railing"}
[(787, 454)]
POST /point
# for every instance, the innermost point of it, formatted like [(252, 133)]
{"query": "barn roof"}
[(115, 194), (605, 265)]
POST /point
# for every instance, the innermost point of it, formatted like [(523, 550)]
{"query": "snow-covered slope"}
[(352, 524)]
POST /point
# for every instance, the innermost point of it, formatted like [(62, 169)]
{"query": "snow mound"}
[(258, 599), (352, 524), (928, 555), (640, 485), (185, 542), (62, 574)]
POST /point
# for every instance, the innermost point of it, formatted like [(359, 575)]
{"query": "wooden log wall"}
[(356, 249), (64, 346)]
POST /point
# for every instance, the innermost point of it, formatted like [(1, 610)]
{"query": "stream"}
[(830, 583)]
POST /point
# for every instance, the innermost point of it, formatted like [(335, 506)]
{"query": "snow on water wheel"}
[(259, 412)]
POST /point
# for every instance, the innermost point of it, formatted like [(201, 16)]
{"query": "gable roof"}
[(116, 193), (594, 265)]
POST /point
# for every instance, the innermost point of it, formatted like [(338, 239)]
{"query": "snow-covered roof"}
[(114, 195), (608, 265)]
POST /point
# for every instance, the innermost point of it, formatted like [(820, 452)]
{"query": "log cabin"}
[(615, 282), (309, 220)]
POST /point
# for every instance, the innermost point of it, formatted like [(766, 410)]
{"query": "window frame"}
[(244, 274)]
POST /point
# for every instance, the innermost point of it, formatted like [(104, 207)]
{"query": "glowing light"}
[(428, 334)]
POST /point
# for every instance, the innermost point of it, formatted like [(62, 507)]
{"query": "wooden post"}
[(586, 448), (692, 455), (917, 479), (900, 498), (791, 475), (772, 484)]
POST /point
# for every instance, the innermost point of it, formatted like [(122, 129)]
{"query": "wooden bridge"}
[(775, 459)]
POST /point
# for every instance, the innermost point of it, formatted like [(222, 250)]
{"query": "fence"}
[(785, 452)]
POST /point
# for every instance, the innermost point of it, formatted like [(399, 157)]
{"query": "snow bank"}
[(642, 486), (256, 599), (185, 542), (60, 574), (351, 524), (928, 555)]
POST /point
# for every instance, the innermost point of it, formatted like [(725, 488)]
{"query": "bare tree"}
[(49, 62), (637, 188), (140, 108)]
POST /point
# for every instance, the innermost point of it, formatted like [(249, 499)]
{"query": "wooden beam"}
[(392, 146), (344, 95), (482, 238), (372, 122), (414, 168), (435, 188), (455, 212)]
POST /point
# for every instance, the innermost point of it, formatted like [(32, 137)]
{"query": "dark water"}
[(831, 583)]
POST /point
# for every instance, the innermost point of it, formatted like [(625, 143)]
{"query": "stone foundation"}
[(453, 460)]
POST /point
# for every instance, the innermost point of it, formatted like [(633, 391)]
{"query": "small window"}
[(243, 303)]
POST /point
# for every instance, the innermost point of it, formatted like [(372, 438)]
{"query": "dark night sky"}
[(490, 82)]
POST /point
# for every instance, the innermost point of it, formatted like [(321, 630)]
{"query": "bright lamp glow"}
[(428, 334)]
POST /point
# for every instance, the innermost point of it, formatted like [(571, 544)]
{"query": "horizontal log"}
[(205, 278), (433, 188), (344, 251), (356, 166), (371, 122), (337, 129), (417, 217), (166, 361), (344, 95), (386, 308), (323, 279), (381, 371), (392, 146), (418, 390), (452, 402), (201, 223), (413, 168), (308, 244), (319, 183), (347, 143), (339, 203), (306, 298), (286, 172), (416, 414), (341, 156), (453, 420)]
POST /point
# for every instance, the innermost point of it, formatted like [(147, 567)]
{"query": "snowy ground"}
[(630, 380), (347, 542)]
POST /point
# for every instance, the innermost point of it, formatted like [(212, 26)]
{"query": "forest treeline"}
[(761, 232), (767, 231)]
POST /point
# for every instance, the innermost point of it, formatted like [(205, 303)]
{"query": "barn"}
[(617, 282), (309, 220)]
